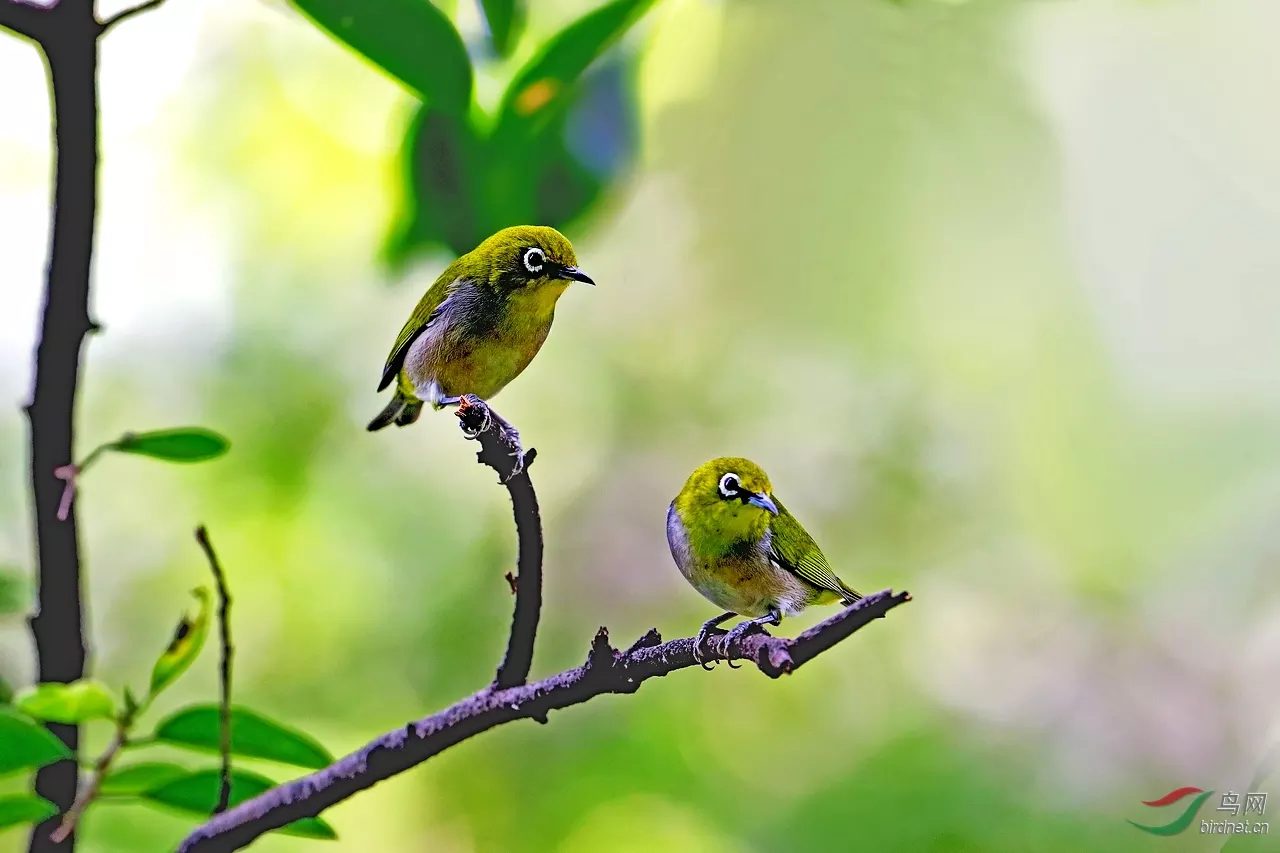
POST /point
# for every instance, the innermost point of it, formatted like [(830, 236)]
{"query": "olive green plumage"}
[(739, 547), (480, 324)]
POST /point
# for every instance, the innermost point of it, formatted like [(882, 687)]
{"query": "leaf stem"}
[(228, 651)]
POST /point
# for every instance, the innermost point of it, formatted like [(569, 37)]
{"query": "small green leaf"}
[(506, 22), (252, 736), (72, 703), (546, 80), (187, 642), (15, 594), (197, 793), (185, 444), (24, 743), (411, 40), (25, 808), (134, 779)]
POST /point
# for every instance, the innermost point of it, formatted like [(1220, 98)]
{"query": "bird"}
[(735, 542), (480, 324)]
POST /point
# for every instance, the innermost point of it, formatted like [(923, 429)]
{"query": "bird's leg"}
[(752, 626), (435, 395), (711, 626)]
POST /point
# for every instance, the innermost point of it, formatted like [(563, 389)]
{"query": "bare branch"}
[(24, 18), (606, 671), (125, 14), (499, 444), (228, 651)]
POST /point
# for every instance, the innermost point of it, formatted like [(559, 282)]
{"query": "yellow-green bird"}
[(480, 324), (739, 547)]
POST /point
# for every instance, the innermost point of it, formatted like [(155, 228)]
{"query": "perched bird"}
[(480, 324), (739, 547)]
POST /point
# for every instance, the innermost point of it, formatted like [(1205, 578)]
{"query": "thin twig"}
[(224, 625), (89, 792), (606, 671), (497, 447), (125, 14)]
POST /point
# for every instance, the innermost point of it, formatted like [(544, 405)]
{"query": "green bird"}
[(480, 324), (739, 547)]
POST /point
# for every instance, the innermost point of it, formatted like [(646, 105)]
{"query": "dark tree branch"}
[(24, 18), (606, 670), (224, 675), (496, 450), (125, 14), (68, 34)]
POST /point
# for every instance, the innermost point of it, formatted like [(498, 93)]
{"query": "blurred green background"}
[(988, 288)]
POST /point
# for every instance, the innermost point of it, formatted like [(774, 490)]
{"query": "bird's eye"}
[(729, 486), (534, 260)]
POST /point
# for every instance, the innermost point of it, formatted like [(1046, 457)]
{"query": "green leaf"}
[(185, 444), (546, 81), (72, 703), (134, 779), (187, 642), (15, 594), (25, 808), (6, 692), (444, 159), (24, 743), (197, 793), (252, 736), (506, 22), (411, 40)]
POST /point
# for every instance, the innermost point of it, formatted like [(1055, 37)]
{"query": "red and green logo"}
[(1182, 821)]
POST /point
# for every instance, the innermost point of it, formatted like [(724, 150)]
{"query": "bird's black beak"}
[(567, 273)]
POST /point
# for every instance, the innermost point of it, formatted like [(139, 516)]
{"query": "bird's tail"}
[(401, 411), (849, 595)]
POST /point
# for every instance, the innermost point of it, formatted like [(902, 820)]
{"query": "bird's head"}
[(525, 258), (729, 498)]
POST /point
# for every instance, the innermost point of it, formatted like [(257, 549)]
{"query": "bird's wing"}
[(429, 308), (795, 550)]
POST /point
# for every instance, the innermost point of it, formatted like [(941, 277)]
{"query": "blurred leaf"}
[(6, 692), (443, 156), (506, 22), (197, 793), (579, 155), (187, 642), (134, 779), (185, 444), (25, 743), (547, 79), (252, 736), (14, 595), (72, 703), (411, 40), (25, 808)]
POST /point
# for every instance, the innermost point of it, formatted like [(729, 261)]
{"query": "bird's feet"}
[(748, 627), (709, 628)]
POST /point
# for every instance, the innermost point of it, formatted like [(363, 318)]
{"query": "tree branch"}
[(68, 35), (224, 626), (24, 18), (125, 14), (606, 670), (497, 445)]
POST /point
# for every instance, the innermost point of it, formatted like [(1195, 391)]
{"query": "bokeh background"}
[(988, 287)]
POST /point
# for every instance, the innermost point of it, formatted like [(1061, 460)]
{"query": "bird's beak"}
[(574, 274), (763, 501)]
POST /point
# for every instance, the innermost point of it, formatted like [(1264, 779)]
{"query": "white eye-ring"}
[(729, 486), (534, 260)]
